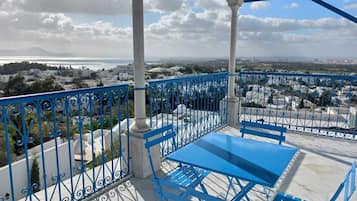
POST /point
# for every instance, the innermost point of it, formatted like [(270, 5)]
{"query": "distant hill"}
[(13, 68), (33, 51)]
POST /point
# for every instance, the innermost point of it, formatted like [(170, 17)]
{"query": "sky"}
[(179, 28)]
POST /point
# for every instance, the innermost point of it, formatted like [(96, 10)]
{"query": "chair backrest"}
[(156, 137), (257, 129), (349, 184)]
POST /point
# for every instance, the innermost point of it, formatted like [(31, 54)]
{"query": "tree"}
[(270, 99), (46, 85), (35, 175), (78, 83), (3, 153), (100, 84), (325, 98), (15, 86), (301, 105), (93, 75)]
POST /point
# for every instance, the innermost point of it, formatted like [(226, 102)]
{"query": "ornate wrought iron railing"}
[(70, 145), (314, 103), (63, 145), (195, 105)]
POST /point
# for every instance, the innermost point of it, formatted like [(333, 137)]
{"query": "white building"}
[(352, 121)]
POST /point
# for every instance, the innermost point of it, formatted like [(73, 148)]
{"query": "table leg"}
[(244, 191), (241, 187)]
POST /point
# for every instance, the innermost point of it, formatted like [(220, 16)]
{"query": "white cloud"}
[(186, 33), (163, 5), (89, 7), (96, 7), (351, 6), (294, 5), (259, 5), (211, 4), (182, 32)]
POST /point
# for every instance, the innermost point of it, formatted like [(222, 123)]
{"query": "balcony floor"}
[(315, 174)]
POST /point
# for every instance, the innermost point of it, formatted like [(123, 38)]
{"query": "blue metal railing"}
[(70, 145), (349, 184), (195, 105), (314, 103), (63, 145)]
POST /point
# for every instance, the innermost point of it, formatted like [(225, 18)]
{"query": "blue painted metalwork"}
[(266, 127), (325, 5), (182, 177), (77, 136), (313, 103), (336, 10), (237, 157), (195, 105), (349, 184), (284, 197), (253, 161), (86, 125)]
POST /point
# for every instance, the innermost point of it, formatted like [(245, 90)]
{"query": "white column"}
[(140, 166), (233, 103), (139, 65)]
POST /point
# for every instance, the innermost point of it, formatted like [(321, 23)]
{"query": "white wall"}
[(19, 169)]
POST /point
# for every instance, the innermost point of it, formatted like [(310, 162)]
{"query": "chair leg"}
[(241, 187), (203, 188), (201, 185), (229, 187), (267, 193)]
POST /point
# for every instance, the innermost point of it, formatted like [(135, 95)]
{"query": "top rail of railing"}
[(57, 94), (287, 74), (191, 77)]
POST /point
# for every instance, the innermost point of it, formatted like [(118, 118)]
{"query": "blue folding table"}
[(244, 159)]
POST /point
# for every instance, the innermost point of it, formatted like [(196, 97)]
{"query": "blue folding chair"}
[(182, 181)]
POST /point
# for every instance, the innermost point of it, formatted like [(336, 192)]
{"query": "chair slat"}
[(159, 140), (262, 134), (157, 131), (263, 126)]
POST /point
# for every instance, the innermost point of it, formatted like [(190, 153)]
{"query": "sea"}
[(93, 63)]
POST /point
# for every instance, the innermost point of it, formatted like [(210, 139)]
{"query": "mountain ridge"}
[(32, 51)]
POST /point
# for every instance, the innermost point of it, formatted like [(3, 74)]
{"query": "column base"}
[(233, 112), (140, 165)]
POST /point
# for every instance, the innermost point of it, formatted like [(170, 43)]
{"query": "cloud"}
[(351, 6), (259, 5), (89, 7), (198, 29), (96, 7), (59, 32), (163, 5), (294, 5), (211, 4)]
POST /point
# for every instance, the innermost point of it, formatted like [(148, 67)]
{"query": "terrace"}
[(85, 144), (83, 136)]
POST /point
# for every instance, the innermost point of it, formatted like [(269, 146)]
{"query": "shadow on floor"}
[(325, 154), (132, 190), (289, 177)]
